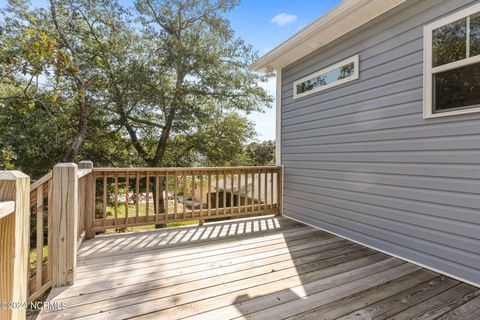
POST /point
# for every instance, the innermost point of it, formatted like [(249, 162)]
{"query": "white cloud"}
[(283, 19)]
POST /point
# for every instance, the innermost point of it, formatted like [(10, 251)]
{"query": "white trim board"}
[(390, 254), (429, 70), (278, 118), (347, 16), (354, 76)]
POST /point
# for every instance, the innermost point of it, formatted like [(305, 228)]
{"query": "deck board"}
[(256, 268)]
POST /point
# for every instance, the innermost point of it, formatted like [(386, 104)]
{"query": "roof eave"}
[(343, 18)]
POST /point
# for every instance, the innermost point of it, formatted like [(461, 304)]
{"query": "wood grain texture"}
[(468, 311), (88, 192), (14, 246), (256, 268), (63, 252), (6, 208)]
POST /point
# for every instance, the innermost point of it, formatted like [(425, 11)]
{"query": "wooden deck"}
[(259, 268)]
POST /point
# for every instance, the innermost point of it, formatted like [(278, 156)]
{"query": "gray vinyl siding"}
[(360, 160)]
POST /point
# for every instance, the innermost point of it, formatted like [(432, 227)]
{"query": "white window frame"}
[(429, 71), (354, 76)]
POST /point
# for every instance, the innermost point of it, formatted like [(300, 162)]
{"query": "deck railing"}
[(127, 197), (75, 202), (39, 275), (51, 200)]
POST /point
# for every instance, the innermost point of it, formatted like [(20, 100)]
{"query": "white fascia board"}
[(345, 17)]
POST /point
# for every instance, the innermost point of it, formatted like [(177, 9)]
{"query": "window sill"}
[(450, 113)]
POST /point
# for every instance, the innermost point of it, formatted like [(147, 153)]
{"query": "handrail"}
[(83, 172), (41, 181), (6, 208), (127, 197), (173, 169)]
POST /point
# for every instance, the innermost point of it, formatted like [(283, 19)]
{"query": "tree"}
[(54, 44), (220, 142), (164, 84), (196, 65), (260, 153)]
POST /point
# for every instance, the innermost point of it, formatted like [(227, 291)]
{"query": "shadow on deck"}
[(256, 268)]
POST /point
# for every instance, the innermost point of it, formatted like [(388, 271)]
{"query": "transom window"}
[(334, 75), (452, 64)]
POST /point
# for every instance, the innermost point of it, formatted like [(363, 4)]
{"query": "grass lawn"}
[(33, 258), (142, 211)]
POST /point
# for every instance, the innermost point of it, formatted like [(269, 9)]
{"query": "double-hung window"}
[(452, 64)]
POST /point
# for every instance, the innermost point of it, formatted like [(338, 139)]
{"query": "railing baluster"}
[(157, 197), (201, 197), (224, 192), (127, 182), (137, 196), (239, 191), (167, 181), (116, 198), (104, 215), (232, 192), (245, 204), (175, 195), (259, 190), (271, 186), (216, 193), (184, 191), (253, 191), (147, 196), (265, 195), (209, 193), (39, 268), (193, 195)]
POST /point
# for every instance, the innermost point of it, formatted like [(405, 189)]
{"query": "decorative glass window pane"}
[(457, 88), (475, 35), (449, 43), (331, 76)]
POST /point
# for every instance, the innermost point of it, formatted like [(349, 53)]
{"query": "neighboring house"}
[(378, 117)]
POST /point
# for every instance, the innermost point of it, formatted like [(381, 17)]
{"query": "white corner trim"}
[(429, 70), (389, 253), (354, 76), (278, 119)]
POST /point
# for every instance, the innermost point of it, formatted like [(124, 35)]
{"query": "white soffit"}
[(345, 17)]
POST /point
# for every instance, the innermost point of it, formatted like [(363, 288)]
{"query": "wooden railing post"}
[(14, 231), (89, 196), (63, 251), (280, 191)]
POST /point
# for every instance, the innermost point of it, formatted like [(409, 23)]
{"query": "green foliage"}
[(164, 83), (260, 154)]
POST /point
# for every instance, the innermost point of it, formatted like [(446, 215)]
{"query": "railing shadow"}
[(232, 230), (199, 273)]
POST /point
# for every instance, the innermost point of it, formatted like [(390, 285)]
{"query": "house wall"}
[(361, 162)]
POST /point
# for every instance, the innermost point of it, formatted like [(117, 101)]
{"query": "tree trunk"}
[(81, 133)]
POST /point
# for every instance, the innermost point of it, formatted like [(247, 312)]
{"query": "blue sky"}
[(265, 24)]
